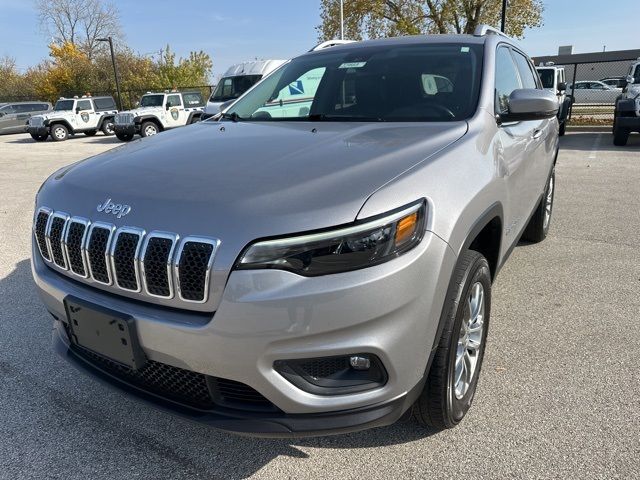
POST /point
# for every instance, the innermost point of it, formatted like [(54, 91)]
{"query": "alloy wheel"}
[(469, 340)]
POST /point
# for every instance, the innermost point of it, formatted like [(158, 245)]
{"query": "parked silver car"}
[(593, 91), (309, 266), (14, 116)]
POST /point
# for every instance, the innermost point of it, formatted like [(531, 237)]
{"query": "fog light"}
[(335, 375), (359, 363)]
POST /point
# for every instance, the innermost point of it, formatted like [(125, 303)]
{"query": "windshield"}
[(151, 100), (636, 75), (63, 105), (547, 75), (433, 82), (230, 88)]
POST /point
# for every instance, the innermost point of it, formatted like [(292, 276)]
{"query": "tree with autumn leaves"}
[(386, 18), (79, 64)]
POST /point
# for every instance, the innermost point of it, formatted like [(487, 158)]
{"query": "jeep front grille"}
[(123, 118), (155, 264), (36, 121)]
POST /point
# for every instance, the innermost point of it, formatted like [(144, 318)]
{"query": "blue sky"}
[(234, 31)]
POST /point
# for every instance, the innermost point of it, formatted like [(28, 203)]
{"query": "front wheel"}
[(620, 135), (453, 377), (124, 137), (108, 128), (59, 133), (39, 138), (148, 129), (538, 227)]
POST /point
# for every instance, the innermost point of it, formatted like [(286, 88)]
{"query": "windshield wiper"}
[(233, 116), (323, 117)]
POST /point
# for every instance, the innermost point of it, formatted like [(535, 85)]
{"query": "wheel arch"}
[(61, 121), (151, 118), (485, 237), (104, 119)]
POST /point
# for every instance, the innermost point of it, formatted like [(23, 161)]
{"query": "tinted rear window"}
[(104, 103)]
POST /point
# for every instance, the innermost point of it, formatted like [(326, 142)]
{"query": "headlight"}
[(361, 245)]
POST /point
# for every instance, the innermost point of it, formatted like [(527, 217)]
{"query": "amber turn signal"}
[(406, 229)]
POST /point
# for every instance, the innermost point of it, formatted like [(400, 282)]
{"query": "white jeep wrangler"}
[(626, 116), (553, 79), (74, 115), (157, 112)]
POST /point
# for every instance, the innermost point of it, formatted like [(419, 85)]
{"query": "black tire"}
[(108, 127), (58, 132), (195, 119), (90, 133), (147, 127), (537, 229), (620, 135), (438, 405), (563, 128), (39, 138), (124, 137)]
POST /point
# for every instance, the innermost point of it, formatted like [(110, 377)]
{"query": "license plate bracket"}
[(104, 331)]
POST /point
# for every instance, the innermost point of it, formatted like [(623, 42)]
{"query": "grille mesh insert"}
[(40, 230), (96, 252), (124, 256), (324, 367), (192, 270), (155, 259), (74, 248), (55, 236)]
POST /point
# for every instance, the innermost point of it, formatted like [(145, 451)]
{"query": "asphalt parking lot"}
[(559, 395)]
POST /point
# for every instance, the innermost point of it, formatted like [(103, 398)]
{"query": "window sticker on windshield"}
[(464, 49), (353, 65)]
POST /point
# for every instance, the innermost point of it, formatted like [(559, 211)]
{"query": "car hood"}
[(54, 114), (144, 111), (242, 181)]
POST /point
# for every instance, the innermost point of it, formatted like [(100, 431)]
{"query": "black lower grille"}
[(41, 230), (74, 248), (192, 270), (96, 251), (55, 239), (124, 260), (183, 386), (155, 260)]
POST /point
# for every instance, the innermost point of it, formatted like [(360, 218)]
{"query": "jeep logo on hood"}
[(118, 209)]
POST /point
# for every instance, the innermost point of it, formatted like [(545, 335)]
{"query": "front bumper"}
[(390, 310), (126, 129), (40, 131)]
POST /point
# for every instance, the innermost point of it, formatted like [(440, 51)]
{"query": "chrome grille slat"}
[(158, 265), (193, 263), (155, 264), (124, 256), (97, 247), (74, 245), (56, 230), (40, 229)]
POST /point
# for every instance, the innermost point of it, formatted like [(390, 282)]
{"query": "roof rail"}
[(330, 43), (483, 29)]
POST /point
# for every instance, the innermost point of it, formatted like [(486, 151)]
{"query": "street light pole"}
[(341, 19), (503, 23), (115, 70)]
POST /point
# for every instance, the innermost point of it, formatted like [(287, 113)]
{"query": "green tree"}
[(191, 71), (384, 18)]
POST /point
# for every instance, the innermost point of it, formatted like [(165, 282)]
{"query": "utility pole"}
[(341, 19), (115, 70), (503, 24)]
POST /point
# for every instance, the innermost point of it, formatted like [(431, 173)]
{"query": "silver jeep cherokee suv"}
[(319, 260)]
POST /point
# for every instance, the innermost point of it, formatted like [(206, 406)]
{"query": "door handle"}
[(537, 133)]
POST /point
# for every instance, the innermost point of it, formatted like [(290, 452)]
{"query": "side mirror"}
[(77, 109), (2, 114), (168, 106), (530, 104), (630, 79), (562, 86)]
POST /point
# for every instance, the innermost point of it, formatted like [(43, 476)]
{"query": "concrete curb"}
[(589, 128)]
